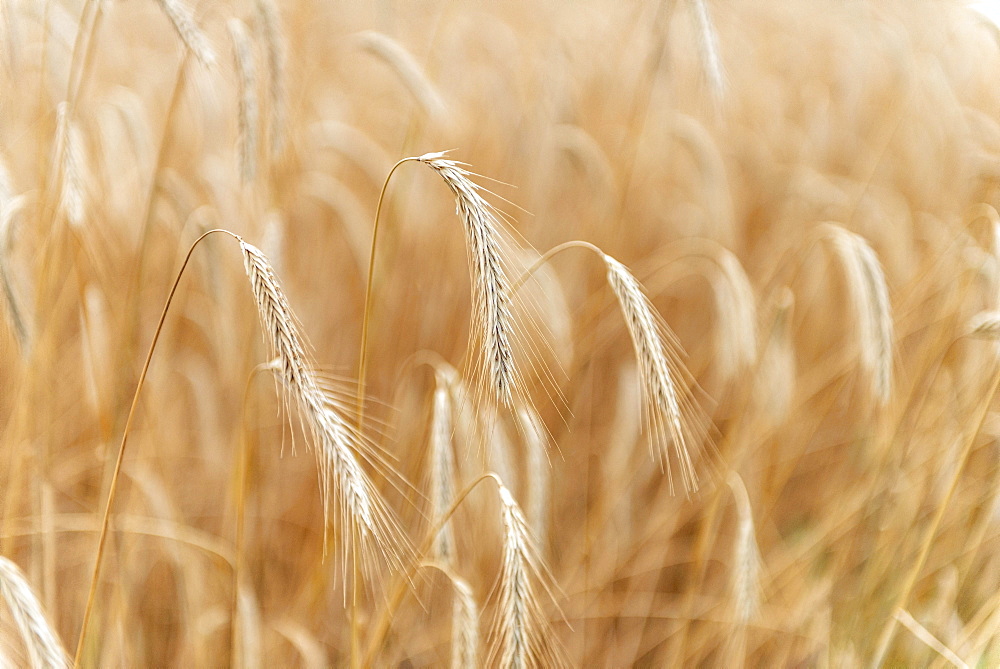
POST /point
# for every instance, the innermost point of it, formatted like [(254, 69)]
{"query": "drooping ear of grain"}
[(249, 108), (667, 408), (188, 30), (277, 55), (358, 506), (521, 634), (464, 626), (493, 322), (708, 49), (870, 296), (745, 576), (442, 469), (410, 73), (538, 474), (72, 168), (40, 640)]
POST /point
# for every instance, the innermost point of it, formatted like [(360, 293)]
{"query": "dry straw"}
[(40, 640)]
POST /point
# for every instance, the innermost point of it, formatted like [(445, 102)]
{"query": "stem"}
[(243, 477), (121, 448), (890, 628), (363, 357), (547, 256)]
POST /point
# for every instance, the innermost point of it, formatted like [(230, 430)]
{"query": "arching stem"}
[(113, 488)]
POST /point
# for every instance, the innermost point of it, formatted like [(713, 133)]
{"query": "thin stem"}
[(547, 256), (363, 356), (243, 479), (887, 634), (112, 491), (381, 626)]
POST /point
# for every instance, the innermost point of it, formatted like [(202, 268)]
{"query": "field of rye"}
[(499, 334)]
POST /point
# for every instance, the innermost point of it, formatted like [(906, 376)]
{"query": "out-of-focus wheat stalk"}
[(44, 648)]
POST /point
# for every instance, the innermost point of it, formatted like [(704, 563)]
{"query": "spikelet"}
[(464, 626), (520, 635), (72, 167), (192, 36), (9, 206), (274, 39), (870, 294), (43, 645), (493, 322), (667, 410), (408, 70), (357, 504), (538, 470), (777, 364), (442, 468), (738, 310), (746, 556), (249, 115)]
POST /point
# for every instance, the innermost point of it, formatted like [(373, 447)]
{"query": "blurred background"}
[(807, 192)]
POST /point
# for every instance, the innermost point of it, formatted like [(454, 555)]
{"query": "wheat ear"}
[(249, 109), (277, 54), (357, 503), (538, 470), (493, 321), (407, 69), (72, 167), (189, 31), (984, 325), (442, 469), (708, 48), (42, 643), (464, 626), (870, 294), (521, 637), (746, 555), (658, 355)]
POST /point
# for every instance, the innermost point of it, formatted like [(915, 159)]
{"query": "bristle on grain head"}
[(521, 636), (669, 413), (494, 325), (870, 294), (44, 649), (339, 447)]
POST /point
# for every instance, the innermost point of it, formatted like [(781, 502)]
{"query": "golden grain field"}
[(677, 344)]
